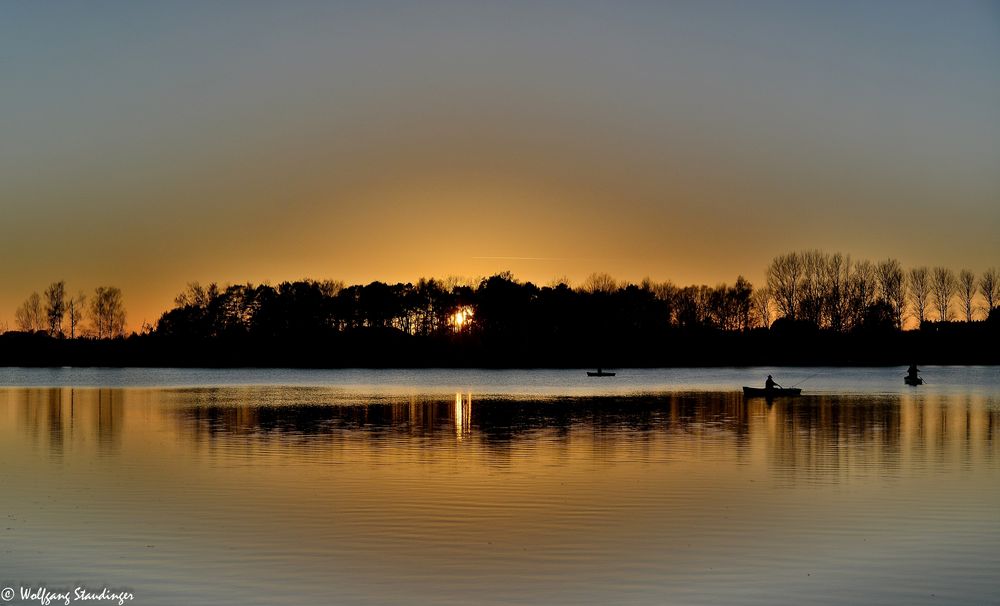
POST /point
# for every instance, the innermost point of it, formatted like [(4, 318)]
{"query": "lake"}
[(657, 486)]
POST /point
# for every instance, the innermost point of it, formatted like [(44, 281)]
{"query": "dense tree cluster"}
[(498, 307)]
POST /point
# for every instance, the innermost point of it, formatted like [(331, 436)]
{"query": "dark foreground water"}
[(501, 487)]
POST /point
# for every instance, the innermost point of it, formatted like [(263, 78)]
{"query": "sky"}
[(146, 145)]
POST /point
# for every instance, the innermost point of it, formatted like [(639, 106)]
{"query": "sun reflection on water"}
[(463, 414)]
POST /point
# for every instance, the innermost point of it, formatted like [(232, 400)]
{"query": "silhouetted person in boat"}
[(770, 384), (911, 372)]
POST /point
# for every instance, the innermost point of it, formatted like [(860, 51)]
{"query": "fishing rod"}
[(805, 379)]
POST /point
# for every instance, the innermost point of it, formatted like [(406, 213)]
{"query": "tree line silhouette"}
[(813, 306), (825, 291), (832, 292)]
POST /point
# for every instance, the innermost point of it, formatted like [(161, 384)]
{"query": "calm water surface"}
[(502, 487)]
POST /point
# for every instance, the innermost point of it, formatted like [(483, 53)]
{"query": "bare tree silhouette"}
[(761, 303), (813, 299), (196, 295), (836, 281), (989, 287), (784, 280), (29, 317), (76, 306), (861, 292), (55, 307), (967, 292), (892, 288), (108, 312), (943, 286), (600, 282), (920, 292)]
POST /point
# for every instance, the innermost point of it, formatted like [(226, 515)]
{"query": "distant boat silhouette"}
[(914, 381), (600, 373), (775, 392)]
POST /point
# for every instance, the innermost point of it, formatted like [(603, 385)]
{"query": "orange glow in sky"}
[(149, 147)]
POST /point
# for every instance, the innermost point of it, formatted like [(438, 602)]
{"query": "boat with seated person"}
[(911, 377), (771, 389)]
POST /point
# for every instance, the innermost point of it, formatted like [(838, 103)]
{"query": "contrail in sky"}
[(526, 258)]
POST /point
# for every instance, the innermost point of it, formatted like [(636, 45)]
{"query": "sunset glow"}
[(561, 139)]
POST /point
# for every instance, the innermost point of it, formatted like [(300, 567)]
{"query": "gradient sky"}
[(146, 144)]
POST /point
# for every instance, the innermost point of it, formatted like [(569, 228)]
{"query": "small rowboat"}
[(600, 373), (913, 380), (762, 392)]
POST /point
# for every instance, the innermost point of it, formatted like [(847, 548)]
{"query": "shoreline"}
[(379, 349)]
